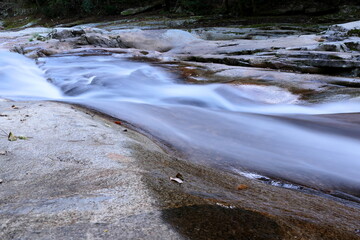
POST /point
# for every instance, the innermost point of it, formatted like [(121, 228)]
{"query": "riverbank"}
[(76, 175)]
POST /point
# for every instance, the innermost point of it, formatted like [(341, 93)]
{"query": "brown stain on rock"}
[(119, 157)]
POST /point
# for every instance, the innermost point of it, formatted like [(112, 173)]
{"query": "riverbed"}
[(256, 131), (260, 134)]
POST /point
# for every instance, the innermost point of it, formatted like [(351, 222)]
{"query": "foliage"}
[(196, 6), (354, 32), (87, 6), (63, 8)]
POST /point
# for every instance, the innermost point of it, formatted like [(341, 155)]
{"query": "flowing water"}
[(237, 129)]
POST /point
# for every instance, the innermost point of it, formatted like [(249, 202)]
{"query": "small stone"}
[(3, 152), (1, 181)]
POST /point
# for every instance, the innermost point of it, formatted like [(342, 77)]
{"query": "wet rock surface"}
[(79, 176)]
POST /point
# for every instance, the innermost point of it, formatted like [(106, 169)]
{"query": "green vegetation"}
[(65, 8), (39, 37), (18, 22), (354, 32), (89, 8)]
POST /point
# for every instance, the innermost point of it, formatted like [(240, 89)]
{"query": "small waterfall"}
[(21, 79)]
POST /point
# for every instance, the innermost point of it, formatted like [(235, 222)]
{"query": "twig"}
[(4, 132)]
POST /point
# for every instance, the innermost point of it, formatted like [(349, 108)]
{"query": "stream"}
[(244, 129)]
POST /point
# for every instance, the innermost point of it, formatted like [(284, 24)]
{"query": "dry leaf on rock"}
[(242, 187), (178, 180), (117, 122), (12, 137)]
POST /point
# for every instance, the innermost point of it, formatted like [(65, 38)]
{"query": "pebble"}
[(2, 152), (1, 181)]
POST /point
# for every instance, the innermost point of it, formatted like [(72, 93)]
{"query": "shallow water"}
[(248, 128)]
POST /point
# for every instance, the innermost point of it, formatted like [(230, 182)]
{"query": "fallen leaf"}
[(242, 187), (117, 122), (12, 137), (178, 180), (22, 137)]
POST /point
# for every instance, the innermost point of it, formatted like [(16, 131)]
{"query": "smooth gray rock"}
[(97, 39), (64, 33)]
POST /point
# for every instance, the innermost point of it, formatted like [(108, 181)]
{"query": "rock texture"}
[(79, 176)]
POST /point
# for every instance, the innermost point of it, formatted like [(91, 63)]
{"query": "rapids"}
[(265, 130)]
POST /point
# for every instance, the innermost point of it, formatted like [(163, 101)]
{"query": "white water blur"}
[(213, 124), (21, 78)]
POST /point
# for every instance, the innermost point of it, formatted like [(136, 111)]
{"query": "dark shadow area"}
[(216, 222)]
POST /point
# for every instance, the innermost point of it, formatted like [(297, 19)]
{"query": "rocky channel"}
[(82, 175)]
